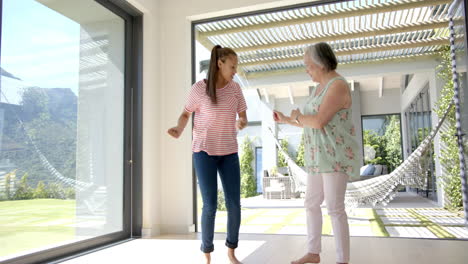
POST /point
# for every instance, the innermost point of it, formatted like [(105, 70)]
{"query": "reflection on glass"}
[(382, 140), (61, 124)]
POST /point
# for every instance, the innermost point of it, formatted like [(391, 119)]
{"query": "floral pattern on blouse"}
[(334, 148)]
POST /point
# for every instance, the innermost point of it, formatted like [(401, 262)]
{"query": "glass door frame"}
[(132, 163)]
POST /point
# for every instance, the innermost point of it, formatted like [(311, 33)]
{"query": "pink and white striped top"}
[(214, 129)]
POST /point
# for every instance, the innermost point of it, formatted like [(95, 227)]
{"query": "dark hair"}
[(322, 54), (217, 53)]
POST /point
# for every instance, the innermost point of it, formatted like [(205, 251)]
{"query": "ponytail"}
[(213, 74), (217, 53)]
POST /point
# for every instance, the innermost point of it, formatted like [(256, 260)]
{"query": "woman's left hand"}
[(241, 123)]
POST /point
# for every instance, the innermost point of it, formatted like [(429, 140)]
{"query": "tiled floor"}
[(279, 249)]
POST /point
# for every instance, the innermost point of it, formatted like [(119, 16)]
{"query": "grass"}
[(31, 224)]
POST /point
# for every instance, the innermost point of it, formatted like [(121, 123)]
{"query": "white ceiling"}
[(300, 89)]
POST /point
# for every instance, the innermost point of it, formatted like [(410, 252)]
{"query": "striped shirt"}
[(214, 129)]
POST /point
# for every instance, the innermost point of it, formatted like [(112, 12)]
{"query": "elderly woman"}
[(330, 148)]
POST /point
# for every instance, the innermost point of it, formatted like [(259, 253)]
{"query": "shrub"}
[(24, 191), (392, 147), (56, 191), (281, 158), (221, 201), (300, 153), (8, 186), (41, 191), (378, 143), (70, 193), (248, 181)]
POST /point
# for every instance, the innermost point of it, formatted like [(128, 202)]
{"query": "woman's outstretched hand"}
[(175, 132), (279, 117)]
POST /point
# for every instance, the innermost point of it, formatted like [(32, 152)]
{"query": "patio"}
[(407, 216)]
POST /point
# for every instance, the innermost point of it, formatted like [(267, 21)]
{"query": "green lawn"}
[(30, 224)]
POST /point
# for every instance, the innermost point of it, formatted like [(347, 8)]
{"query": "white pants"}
[(332, 186)]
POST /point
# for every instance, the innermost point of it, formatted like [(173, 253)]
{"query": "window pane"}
[(61, 124), (382, 140)]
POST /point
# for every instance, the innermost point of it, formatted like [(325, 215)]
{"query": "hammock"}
[(88, 190), (381, 189), (78, 185)]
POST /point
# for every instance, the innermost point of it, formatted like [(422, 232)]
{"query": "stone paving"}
[(425, 221), (398, 222)]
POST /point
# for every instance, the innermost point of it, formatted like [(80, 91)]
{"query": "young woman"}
[(330, 149), (217, 102)]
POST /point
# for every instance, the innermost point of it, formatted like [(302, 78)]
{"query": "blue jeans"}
[(206, 168)]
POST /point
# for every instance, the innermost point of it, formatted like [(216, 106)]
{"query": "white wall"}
[(372, 104), (417, 83), (435, 88), (359, 71), (357, 119), (167, 164)]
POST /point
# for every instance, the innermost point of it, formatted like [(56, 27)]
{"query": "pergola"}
[(360, 31)]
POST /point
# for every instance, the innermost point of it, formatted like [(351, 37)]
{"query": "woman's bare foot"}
[(207, 258), (307, 258), (232, 257)]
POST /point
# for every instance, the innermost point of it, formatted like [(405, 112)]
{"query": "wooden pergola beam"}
[(353, 51), (352, 35), (367, 10), (300, 69)]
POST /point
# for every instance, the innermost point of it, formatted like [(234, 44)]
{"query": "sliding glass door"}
[(64, 125)]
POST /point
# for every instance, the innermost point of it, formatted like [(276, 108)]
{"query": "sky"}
[(39, 46)]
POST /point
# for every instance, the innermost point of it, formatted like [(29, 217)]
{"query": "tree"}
[(24, 191), (392, 140), (300, 153), (46, 119), (40, 192), (281, 158), (35, 104), (56, 191), (248, 182), (8, 186), (378, 143)]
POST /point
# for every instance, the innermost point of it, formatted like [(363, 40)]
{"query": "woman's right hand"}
[(279, 117), (175, 132)]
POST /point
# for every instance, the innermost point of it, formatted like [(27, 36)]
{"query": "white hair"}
[(311, 52)]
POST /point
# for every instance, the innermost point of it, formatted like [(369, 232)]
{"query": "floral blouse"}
[(334, 148)]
